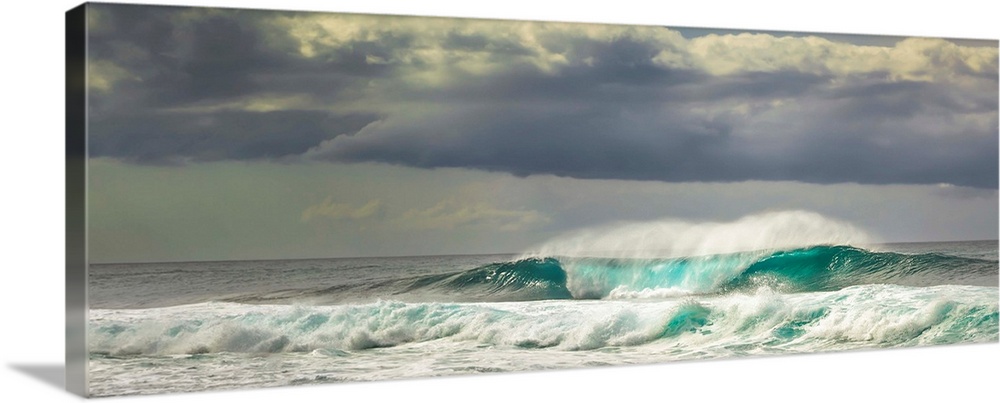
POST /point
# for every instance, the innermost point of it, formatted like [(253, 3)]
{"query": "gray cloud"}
[(170, 138), (582, 101)]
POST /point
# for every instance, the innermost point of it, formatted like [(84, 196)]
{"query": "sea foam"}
[(868, 314)]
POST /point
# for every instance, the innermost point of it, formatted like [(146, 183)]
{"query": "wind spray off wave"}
[(672, 257), (787, 252), (676, 238)]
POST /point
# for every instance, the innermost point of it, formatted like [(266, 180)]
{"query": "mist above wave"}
[(669, 237)]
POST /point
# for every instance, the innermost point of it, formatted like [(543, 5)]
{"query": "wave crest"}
[(809, 269)]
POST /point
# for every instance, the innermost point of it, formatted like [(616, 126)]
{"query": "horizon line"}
[(437, 255)]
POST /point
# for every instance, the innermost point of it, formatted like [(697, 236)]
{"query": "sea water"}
[(170, 327)]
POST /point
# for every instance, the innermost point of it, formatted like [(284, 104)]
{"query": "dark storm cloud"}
[(165, 138), (184, 54), (580, 101), (183, 60)]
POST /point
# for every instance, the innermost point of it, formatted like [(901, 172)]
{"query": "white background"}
[(31, 193)]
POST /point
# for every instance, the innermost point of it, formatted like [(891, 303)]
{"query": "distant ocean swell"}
[(865, 315), (817, 268)]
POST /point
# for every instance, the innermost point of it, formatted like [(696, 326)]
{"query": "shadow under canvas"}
[(52, 374)]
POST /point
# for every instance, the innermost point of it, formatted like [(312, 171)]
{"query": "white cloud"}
[(550, 46), (266, 102), (102, 75), (920, 59), (451, 214), (343, 211)]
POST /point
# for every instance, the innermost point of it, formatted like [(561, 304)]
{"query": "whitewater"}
[(628, 293)]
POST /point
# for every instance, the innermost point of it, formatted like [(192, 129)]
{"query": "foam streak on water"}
[(345, 342)]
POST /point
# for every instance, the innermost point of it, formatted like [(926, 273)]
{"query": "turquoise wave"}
[(825, 268), (817, 268), (527, 279), (811, 269)]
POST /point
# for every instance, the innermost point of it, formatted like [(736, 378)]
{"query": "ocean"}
[(190, 326)]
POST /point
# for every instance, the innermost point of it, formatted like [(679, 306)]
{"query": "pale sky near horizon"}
[(227, 134)]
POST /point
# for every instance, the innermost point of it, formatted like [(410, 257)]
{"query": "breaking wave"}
[(816, 268), (882, 315)]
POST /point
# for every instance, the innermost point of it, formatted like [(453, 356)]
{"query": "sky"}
[(218, 134)]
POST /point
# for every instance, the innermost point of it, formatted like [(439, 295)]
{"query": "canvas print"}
[(281, 198)]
